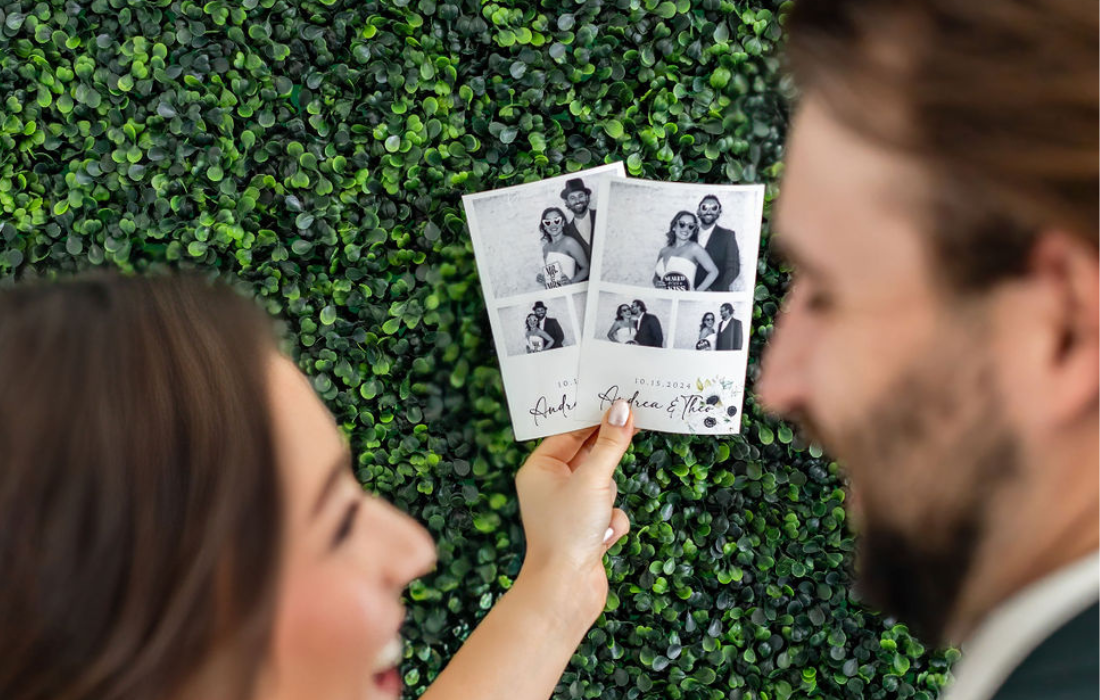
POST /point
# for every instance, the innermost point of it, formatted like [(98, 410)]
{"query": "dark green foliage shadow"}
[(317, 152)]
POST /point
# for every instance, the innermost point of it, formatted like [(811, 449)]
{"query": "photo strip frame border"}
[(539, 386), (671, 389)]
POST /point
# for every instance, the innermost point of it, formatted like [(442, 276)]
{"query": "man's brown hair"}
[(997, 101), (139, 502)]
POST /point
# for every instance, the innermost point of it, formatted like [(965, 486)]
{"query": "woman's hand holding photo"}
[(566, 493)]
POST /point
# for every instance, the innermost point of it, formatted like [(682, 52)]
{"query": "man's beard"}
[(707, 220), (579, 209), (916, 573)]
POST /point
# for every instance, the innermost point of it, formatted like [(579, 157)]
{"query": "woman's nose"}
[(411, 548)]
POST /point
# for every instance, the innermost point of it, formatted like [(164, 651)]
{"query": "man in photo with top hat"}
[(583, 222), (550, 325)]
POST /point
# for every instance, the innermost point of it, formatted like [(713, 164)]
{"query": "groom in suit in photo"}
[(648, 328), (729, 330), (580, 228), (550, 325), (720, 243)]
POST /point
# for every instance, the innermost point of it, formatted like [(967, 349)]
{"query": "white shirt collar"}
[(705, 232), (1018, 625)]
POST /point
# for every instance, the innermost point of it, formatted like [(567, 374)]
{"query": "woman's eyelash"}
[(346, 524)]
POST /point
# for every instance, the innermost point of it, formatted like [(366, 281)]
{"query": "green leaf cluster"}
[(316, 152)]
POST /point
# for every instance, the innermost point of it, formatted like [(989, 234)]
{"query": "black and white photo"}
[(674, 270), (663, 236), (712, 326), (539, 327), (533, 244), (627, 320), (538, 235), (683, 264)]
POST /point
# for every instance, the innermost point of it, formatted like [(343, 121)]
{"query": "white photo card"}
[(533, 245), (670, 304)]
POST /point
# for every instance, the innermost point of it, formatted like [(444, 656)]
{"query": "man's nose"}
[(781, 387)]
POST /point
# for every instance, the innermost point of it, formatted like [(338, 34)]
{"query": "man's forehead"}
[(846, 205)]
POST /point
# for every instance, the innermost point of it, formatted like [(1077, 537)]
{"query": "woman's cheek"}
[(331, 629)]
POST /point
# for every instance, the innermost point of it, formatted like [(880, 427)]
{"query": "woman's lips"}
[(387, 678), (388, 682)]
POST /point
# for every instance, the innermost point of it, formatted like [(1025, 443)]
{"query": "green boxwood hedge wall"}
[(317, 151)]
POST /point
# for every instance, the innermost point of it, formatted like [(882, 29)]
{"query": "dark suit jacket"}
[(1064, 666), (572, 232), (722, 248), (730, 338), (553, 329), (649, 332)]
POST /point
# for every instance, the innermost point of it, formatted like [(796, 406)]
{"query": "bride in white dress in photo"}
[(622, 330), (537, 339), (678, 261), (708, 333), (564, 261)]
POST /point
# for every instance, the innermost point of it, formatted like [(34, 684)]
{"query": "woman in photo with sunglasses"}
[(708, 334), (622, 330), (564, 261), (678, 261), (538, 340)]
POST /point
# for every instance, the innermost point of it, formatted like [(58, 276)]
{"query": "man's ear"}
[(1066, 271)]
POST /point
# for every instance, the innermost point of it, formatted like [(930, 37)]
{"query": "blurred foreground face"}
[(347, 558), (892, 373)]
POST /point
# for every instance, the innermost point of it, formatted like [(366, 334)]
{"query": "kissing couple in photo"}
[(567, 239), (726, 335), (633, 326), (700, 255)]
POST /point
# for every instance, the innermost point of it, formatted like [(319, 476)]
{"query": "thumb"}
[(614, 437)]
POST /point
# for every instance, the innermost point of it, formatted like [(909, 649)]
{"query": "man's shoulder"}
[(1065, 666), (722, 229)]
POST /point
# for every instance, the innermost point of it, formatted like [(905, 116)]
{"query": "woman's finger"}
[(562, 447), (613, 439), (584, 451), (619, 527)]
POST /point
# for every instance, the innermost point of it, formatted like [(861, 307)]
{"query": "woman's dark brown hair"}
[(996, 101), (139, 502)]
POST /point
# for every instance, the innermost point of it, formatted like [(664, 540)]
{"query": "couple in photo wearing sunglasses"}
[(700, 255), (567, 242)]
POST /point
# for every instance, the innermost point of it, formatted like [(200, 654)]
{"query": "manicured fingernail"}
[(620, 411), (608, 535)]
